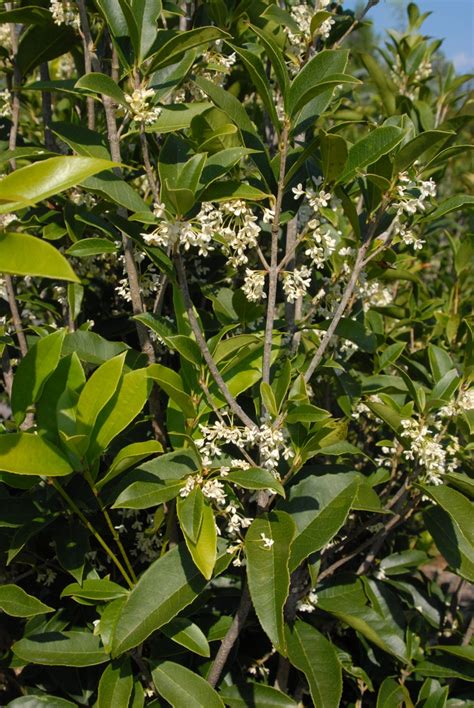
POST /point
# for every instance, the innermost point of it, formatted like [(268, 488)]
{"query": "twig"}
[(87, 45), (230, 638), (234, 406), (370, 4), (47, 110), (273, 273), (9, 287), (73, 506), (15, 94)]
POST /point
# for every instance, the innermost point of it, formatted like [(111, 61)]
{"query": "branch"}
[(370, 4), (9, 287), (234, 406), (46, 108), (230, 638), (273, 273)]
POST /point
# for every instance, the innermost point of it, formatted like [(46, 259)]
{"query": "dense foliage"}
[(237, 356)]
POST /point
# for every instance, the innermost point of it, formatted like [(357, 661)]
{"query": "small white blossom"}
[(254, 285), (5, 104), (65, 12), (267, 542), (140, 109), (296, 283)]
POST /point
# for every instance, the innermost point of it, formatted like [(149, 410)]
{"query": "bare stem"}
[(234, 406), (112, 528), (370, 4), (9, 287), (230, 638), (47, 110), (273, 273), (73, 506)]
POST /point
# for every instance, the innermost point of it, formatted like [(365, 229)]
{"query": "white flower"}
[(296, 283), (139, 106), (254, 285), (191, 482), (267, 542), (213, 489), (64, 13), (308, 604), (324, 29), (5, 104)]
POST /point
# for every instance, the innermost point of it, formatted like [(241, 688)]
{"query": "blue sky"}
[(452, 20)]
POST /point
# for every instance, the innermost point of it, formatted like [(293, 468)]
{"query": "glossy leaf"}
[(315, 656), (369, 149), (255, 694), (255, 478), (204, 549), (102, 84), (116, 684), (41, 180), (17, 603), (61, 649), (182, 687), (190, 513), (91, 589), (267, 545), (33, 372), (21, 254), (313, 74), (169, 584), (27, 453), (129, 456), (184, 632)]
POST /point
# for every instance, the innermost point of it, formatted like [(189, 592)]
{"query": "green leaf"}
[(267, 571), (190, 513), (40, 180), (326, 62), (97, 392), (390, 694), (177, 117), (237, 113), (129, 456), (116, 684), (172, 384), (181, 42), (184, 632), (311, 652), (92, 589), (122, 408), (72, 545), (102, 84), (416, 147), (319, 506), (61, 649), (268, 398), (229, 189), (21, 254), (204, 549), (91, 347), (386, 88), (456, 203), (38, 700), (147, 493), (255, 478), (440, 361), (450, 541), (17, 603), (27, 453), (456, 505), (42, 42), (255, 694), (145, 14), (256, 72), (276, 57), (333, 156), (169, 584), (369, 149), (182, 687), (33, 371), (87, 247)]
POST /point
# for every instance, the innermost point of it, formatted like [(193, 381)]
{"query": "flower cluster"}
[(270, 442), (140, 108), (5, 37), (296, 283), (464, 402), (308, 603), (233, 222), (302, 14), (427, 449), (64, 12), (5, 104), (412, 196), (254, 285)]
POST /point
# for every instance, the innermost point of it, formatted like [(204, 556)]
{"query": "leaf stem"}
[(73, 506), (273, 272), (112, 528)]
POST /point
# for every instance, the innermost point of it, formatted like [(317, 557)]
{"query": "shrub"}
[(235, 450)]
